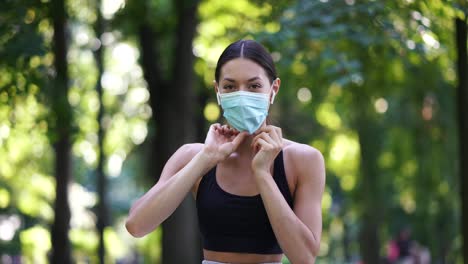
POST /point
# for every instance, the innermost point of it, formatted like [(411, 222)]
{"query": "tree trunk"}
[(369, 241), (346, 243), (102, 206), (180, 231), (173, 118), (62, 114), (368, 187), (462, 66)]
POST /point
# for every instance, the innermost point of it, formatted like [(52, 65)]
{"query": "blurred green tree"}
[(462, 95), (167, 62), (62, 114), (369, 66), (103, 216), (25, 190)]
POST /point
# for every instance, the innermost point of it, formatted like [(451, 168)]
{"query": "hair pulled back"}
[(248, 49)]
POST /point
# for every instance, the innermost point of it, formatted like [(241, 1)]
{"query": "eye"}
[(255, 86), (228, 86)]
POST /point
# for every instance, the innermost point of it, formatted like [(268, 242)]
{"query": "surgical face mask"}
[(245, 111)]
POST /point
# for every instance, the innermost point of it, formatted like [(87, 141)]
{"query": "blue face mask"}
[(245, 111)]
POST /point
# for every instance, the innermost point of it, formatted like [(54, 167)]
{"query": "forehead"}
[(242, 69)]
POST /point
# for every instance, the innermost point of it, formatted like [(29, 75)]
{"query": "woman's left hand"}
[(267, 144)]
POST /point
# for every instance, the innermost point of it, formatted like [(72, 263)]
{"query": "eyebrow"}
[(249, 80)]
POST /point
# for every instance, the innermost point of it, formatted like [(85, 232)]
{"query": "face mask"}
[(245, 111)]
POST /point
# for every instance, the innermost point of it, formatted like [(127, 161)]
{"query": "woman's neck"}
[(245, 150)]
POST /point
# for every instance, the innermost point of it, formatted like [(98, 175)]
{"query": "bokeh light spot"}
[(8, 227), (114, 165), (407, 202), (139, 133), (4, 198), (299, 68), (348, 182), (110, 7), (30, 16), (211, 112), (327, 116), (304, 95), (381, 105)]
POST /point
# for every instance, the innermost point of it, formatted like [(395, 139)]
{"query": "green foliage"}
[(26, 173), (389, 61), (22, 49), (25, 187)]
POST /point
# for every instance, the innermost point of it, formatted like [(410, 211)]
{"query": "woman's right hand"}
[(222, 141)]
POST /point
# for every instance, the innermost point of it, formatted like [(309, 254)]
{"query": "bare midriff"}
[(240, 258)]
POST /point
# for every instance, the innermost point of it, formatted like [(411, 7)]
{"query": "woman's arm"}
[(181, 172), (298, 230), (179, 175)]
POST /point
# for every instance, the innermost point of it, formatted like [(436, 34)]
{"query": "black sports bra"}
[(233, 223)]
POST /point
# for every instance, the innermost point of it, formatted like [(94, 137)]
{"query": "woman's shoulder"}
[(184, 154), (299, 151), (189, 150), (192, 147), (303, 160)]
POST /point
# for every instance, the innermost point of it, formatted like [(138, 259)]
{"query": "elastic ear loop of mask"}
[(217, 94), (272, 97), (274, 94)]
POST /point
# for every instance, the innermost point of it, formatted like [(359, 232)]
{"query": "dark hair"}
[(248, 49)]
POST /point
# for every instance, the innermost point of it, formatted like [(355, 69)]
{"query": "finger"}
[(233, 131), (262, 144), (269, 138), (215, 126), (225, 129), (214, 129), (254, 140), (270, 128), (279, 131), (275, 133), (266, 137), (266, 129), (230, 131), (221, 129), (280, 135)]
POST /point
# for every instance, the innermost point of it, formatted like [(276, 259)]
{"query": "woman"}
[(258, 195)]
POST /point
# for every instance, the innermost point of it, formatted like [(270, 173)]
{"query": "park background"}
[(95, 96)]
